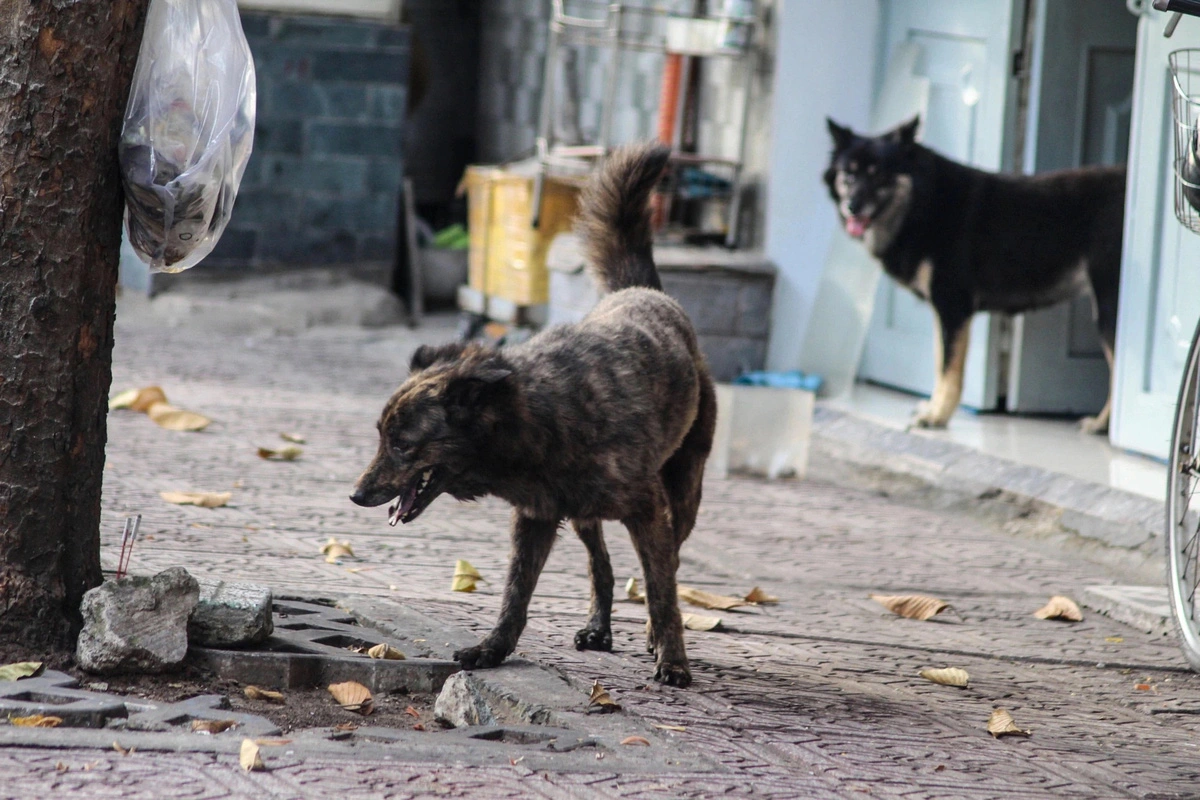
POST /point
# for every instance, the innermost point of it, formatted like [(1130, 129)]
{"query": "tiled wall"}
[(323, 183)]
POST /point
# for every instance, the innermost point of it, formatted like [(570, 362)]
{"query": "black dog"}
[(611, 418), (966, 240)]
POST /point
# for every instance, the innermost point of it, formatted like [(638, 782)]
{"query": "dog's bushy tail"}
[(614, 222)]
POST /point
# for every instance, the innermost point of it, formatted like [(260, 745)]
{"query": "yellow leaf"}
[(250, 758), (759, 597), (633, 591), (335, 550), (698, 622), (122, 750), (202, 499), (385, 651), (294, 438), (255, 693), (353, 696), (464, 577), (23, 669), (678, 728), (176, 419), (636, 740), (948, 676), (138, 399), (1060, 607), (212, 726), (704, 599), (36, 721), (912, 606), (1001, 723), (601, 700), (290, 453), (1114, 639)]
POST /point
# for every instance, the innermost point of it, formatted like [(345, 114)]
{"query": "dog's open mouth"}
[(415, 498), (856, 226)]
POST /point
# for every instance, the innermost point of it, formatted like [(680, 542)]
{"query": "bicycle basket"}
[(1185, 81)]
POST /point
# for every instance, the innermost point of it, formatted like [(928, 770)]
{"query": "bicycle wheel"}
[(1183, 510)]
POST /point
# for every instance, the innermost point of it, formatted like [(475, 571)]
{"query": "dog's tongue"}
[(857, 226), (400, 509)]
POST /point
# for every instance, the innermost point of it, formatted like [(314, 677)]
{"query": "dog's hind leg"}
[(531, 543), (1099, 423), (598, 633), (683, 473), (1105, 312), (653, 535), (952, 334)]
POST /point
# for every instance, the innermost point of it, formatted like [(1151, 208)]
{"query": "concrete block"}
[(137, 624), (369, 67), (754, 307), (710, 300), (345, 175), (308, 100), (278, 136), (230, 615), (353, 139)]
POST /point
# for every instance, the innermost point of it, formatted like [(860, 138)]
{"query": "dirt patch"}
[(302, 708)]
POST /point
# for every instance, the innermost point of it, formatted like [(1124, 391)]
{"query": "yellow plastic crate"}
[(507, 257)]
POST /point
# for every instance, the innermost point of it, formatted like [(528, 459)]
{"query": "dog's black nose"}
[(358, 498)]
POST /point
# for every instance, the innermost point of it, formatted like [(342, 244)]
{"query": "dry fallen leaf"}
[(911, 606), (699, 622), (1143, 687), (1114, 639), (60, 767), (353, 696), (420, 726), (601, 701), (636, 740), (282, 454), (202, 499), (22, 669), (335, 550), (412, 712), (273, 742), (1060, 607), (256, 693), (176, 419), (1000, 723), (759, 597), (249, 757), (704, 599), (36, 721), (678, 728), (294, 438), (122, 750), (948, 676), (348, 726), (385, 651), (464, 577), (633, 591), (137, 399), (212, 725)]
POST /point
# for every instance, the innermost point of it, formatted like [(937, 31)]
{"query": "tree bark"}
[(65, 69)]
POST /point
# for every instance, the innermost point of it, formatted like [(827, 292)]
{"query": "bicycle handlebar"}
[(1191, 7)]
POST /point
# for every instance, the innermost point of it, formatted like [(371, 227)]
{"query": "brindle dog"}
[(611, 418)]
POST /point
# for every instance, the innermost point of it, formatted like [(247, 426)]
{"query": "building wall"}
[(323, 182)]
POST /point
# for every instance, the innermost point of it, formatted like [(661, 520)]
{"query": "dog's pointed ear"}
[(842, 137), (907, 133), (477, 386), (427, 355)]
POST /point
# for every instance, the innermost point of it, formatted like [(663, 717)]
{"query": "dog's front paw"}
[(674, 675), (925, 416), (1094, 425), (481, 656), (593, 639)]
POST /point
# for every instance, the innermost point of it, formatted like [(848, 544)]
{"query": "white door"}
[(1080, 101), (966, 48), (1160, 269)]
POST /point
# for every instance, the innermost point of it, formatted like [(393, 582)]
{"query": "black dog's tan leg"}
[(950, 360), (531, 543), (653, 537), (598, 633), (1099, 423)]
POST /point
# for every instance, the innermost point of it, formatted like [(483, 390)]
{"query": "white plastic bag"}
[(188, 131)]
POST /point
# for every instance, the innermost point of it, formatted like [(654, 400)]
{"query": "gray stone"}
[(231, 615), (461, 703), (137, 624)]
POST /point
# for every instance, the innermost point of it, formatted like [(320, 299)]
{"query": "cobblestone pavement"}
[(815, 697)]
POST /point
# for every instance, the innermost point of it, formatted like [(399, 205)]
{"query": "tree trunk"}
[(65, 69)]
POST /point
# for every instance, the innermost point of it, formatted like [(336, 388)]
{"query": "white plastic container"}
[(761, 431)]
